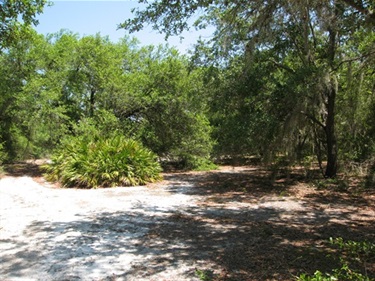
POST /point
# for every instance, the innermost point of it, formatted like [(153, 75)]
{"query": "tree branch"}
[(354, 59), (282, 66), (360, 8), (313, 119)]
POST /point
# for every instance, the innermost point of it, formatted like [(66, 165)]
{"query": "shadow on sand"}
[(253, 242)]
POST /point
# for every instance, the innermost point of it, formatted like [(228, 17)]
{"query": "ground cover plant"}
[(354, 259), (114, 161)]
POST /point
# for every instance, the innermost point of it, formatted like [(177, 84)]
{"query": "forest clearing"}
[(233, 223)]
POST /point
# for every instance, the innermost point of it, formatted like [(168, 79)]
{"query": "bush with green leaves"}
[(112, 161), (353, 254), (196, 163), (196, 145)]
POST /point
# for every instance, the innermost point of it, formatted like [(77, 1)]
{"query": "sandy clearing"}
[(75, 234), (162, 232), (68, 234)]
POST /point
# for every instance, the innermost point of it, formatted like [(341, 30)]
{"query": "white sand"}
[(75, 234)]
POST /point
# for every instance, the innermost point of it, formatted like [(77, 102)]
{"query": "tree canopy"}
[(278, 80), (15, 17), (50, 84), (304, 44)]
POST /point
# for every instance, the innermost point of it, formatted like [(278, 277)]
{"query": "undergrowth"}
[(354, 258)]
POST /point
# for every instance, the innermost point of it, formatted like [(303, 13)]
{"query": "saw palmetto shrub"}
[(103, 162)]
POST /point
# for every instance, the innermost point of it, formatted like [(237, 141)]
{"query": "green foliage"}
[(196, 145), (352, 253), (294, 105), (97, 154), (179, 135), (16, 17), (48, 85), (332, 184), (238, 96), (318, 276), (205, 275), (342, 274), (362, 249), (3, 156), (355, 104), (33, 123), (103, 124), (191, 162), (164, 107), (113, 161)]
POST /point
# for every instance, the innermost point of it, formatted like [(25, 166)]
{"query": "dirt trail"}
[(165, 231)]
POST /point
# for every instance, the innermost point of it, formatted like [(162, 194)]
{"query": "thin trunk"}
[(92, 102), (331, 92), (318, 149), (331, 168)]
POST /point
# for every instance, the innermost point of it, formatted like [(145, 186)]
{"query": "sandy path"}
[(70, 234), (168, 230)]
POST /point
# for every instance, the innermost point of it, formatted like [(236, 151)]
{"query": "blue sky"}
[(91, 17)]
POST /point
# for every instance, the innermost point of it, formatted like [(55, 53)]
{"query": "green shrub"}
[(204, 275), (197, 163), (342, 274), (352, 254), (178, 134), (112, 161), (3, 156), (332, 184)]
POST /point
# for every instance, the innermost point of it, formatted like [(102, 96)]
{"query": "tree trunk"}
[(331, 92), (331, 168), (92, 102)]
